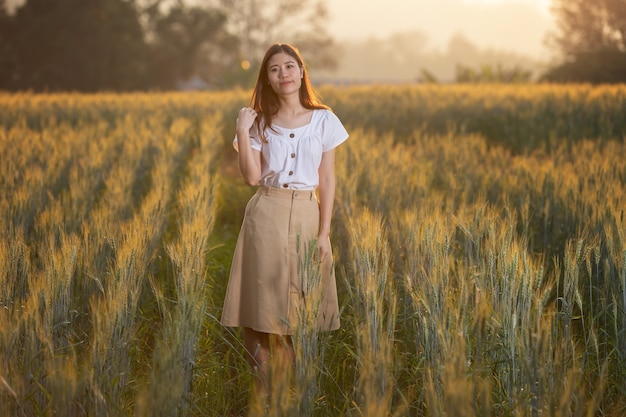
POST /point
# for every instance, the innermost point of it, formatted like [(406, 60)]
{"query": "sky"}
[(510, 25)]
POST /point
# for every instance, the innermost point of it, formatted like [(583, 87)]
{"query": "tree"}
[(186, 42), (74, 45), (7, 55), (120, 45), (592, 40), (259, 23)]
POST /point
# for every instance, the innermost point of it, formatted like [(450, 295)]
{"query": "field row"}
[(475, 277)]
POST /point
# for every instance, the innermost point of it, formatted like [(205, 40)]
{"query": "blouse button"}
[(285, 185), (290, 172), (293, 155), (291, 135)]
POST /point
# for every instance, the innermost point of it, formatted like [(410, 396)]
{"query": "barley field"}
[(478, 233)]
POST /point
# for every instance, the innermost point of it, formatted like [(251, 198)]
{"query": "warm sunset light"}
[(512, 25), (542, 4), (312, 208)]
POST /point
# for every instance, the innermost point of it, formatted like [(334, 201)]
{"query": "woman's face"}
[(284, 74)]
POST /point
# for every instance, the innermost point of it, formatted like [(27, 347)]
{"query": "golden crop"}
[(479, 239)]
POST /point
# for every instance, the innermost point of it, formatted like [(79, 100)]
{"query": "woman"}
[(285, 143)]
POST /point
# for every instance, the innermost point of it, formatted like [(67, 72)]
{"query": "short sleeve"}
[(255, 140), (334, 132)]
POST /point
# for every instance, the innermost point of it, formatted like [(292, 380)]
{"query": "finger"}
[(320, 254)]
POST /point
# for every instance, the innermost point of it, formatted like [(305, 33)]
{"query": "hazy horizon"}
[(518, 26), (397, 40)]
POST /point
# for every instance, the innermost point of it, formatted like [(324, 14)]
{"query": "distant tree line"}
[(124, 45), (406, 57), (491, 74), (592, 39)]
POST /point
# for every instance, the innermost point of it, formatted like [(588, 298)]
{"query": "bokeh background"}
[(128, 45)]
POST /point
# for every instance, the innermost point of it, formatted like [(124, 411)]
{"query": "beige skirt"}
[(269, 277)]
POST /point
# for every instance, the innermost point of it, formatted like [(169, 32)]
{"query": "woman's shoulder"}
[(328, 118), (329, 127), (324, 110), (324, 115)]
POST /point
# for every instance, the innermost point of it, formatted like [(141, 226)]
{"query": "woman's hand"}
[(249, 158), (323, 247), (245, 119)]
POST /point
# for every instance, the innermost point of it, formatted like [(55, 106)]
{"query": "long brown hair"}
[(265, 101)]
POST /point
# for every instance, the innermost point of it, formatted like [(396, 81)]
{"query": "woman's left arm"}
[(327, 198)]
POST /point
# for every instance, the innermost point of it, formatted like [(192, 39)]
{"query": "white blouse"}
[(291, 157)]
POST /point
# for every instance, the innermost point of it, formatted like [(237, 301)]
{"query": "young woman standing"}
[(286, 142)]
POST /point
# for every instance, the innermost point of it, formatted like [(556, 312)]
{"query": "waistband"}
[(286, 193)]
